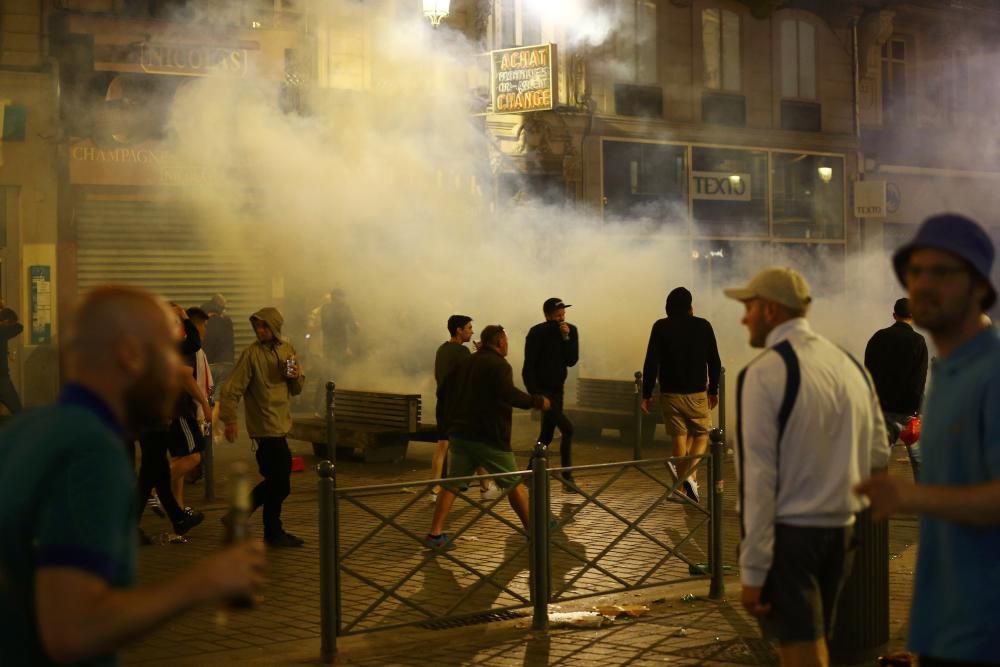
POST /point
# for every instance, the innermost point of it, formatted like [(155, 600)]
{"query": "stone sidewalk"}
[(488, 568)]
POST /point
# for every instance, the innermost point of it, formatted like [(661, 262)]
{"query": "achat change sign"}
[(523, 79)]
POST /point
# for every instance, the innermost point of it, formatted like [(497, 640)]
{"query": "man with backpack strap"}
[(809, 429)]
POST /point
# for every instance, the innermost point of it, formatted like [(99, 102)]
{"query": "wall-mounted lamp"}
[(435, 10), (825, 174)]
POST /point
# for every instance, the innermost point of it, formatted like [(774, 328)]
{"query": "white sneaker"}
[(491, 493), (433, 497), (691, 488), (673, 468)]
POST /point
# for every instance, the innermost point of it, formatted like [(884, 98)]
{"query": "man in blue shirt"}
[(67, 497), (956, 595)]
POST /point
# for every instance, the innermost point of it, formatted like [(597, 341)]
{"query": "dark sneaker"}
[(188, 522), (691, 489), (442, 542), (569, 485), (285, 540), (144, 539)]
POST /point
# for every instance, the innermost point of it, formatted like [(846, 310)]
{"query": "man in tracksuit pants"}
[(809, 428), (550, 348)]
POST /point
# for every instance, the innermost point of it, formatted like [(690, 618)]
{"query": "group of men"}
[(810, 433), (476, 395)]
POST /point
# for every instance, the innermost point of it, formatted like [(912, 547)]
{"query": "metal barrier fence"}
[(377, 574)]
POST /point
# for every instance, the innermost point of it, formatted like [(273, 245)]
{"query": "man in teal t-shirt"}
[(67, 499), (956, 593)]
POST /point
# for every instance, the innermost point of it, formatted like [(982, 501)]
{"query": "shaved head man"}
[(67, 504)]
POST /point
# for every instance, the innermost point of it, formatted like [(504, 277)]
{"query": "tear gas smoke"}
[(385, 194)]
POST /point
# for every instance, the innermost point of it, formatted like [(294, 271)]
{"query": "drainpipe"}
[(858, 154)]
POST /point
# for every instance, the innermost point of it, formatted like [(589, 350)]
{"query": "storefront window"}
[(729, 192), (646, 183), (822, 265), (808, 196), (719, 264)]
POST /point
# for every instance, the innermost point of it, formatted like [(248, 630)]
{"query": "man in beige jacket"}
[(266, 375)]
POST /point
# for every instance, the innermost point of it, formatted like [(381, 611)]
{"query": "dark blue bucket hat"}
[(955, 234)]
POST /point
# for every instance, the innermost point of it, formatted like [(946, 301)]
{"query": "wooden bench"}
[(372, 426), (609, 404)]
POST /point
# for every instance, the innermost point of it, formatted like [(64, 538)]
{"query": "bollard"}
[(540, 538), (637, 408), (331, 421), (717, 586), (208, 468), (329, 572), (722, 400)]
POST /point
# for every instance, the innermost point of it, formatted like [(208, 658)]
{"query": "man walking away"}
[(479, 396), (956, 593), (9, 327), (683, 355), (897, 359), (549, 349), (267, 374), (450, 354), (67, 498), (809, 427), (219, 341)]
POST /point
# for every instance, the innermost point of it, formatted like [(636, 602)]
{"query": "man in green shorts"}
[(479, 395)]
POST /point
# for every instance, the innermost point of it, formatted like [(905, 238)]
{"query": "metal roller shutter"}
[(162, 246)]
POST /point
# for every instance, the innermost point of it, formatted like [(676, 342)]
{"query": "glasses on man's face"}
[(936, 272)]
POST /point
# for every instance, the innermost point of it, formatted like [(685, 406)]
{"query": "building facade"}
[(90, 192), (735, 128)]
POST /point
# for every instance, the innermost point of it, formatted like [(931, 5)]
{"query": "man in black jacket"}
[(897, 359), (683, 354), (550, 348), (478, 396), (9, 328)]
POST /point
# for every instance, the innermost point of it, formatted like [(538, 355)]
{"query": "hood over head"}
[(271, 317)]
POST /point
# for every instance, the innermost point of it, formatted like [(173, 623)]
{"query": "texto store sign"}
[(720, 186)]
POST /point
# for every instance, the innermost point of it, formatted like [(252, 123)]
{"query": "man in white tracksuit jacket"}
[(809, 429)]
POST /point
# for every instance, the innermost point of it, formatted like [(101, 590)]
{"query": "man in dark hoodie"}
[(550, 348), (267, 375), (683, 355)]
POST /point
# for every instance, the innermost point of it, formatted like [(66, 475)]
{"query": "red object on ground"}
[(911, 432), (298, 464)]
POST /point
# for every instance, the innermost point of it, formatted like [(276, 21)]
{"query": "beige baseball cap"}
[(777, 283)]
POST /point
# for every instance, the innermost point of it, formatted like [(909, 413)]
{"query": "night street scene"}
[(548, 333)]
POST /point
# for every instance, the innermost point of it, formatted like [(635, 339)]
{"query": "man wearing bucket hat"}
[(946, 270), (809, 429)]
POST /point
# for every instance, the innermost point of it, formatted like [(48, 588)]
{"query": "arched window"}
[(720, 37), (518, 23), (798, 59)]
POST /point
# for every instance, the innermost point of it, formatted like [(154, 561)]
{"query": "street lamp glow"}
[(825, 174), (735, 180), (435, 10)]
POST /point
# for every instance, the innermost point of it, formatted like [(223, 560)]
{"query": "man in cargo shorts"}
[(684, 356), (478, 396)]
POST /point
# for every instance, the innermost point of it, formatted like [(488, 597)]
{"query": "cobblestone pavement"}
[(487, 569)]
